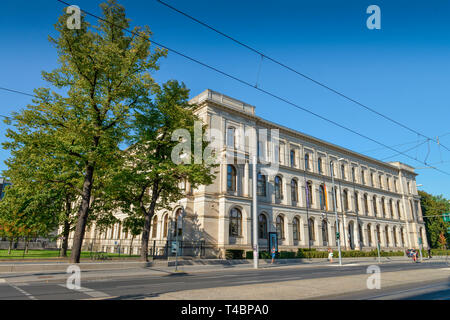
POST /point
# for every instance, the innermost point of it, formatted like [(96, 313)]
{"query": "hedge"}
[(437, 252), (234, 254), (313, 253), (262, 255)]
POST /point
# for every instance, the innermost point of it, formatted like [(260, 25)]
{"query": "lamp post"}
[(336, 215), (255, 214)]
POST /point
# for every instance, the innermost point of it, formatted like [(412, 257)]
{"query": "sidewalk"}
[(308, 288)]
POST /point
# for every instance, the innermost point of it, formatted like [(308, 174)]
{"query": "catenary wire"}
[(301, 74), (243, 82)]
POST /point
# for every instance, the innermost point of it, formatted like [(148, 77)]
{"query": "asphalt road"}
[(149, 286)]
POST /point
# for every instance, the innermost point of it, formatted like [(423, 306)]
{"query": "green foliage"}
[(234, 254), (286, 255), (106, 77), (148, 179), (262, 255), (435, 226)]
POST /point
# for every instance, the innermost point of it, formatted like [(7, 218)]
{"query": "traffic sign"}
[(338, 235)]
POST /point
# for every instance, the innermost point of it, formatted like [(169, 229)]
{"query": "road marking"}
[(90, 292), (23, 292), (2, 281)]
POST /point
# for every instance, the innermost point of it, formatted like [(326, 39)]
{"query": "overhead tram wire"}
[(252, 86), (300, 73)]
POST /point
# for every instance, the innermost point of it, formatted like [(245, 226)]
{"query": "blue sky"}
[(402, 70)]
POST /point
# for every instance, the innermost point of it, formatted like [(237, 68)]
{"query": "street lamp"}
[(335, 212)]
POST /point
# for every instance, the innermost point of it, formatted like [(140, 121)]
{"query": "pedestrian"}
[(429, 253), (273, 254), (414, 255), (330, 255)]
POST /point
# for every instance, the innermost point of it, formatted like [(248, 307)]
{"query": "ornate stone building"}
[(375, 199)]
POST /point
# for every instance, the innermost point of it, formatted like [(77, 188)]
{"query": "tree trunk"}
[(131, 245), (10, 246), (145, 237), (148, 218), (66, 230), (82, 215)]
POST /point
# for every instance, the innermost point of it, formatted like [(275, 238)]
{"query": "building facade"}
[(374, 200)]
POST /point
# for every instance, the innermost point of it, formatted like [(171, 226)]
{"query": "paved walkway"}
[(308, 288)]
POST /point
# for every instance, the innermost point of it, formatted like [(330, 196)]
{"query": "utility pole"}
[(336, 215), (255, 214)]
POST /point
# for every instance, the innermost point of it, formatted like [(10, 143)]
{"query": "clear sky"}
[(402, 70)]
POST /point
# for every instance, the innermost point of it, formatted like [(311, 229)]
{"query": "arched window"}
[(166, 225), (378, 234), (155, 226), (296, 229), (383, 205), (178, 216), (386, 230), (369, 234), (361, 238), (391, 208), (345, 200), (353, 174), (292, 157), (261, 185), (231, 178), (312, 233), (294, 191), (231, 137), (381, 182), (280, 227), (402, 231), (356, 202), (366, 204), (309, 194), (399, 214), (375, 211), (322, 197), (335, 199), (235, 222), (262, 226), (307, 161), (363, 177), (395, 237), (412, 209), (278, 188), (319, 165), (325, 232), (343, 172)]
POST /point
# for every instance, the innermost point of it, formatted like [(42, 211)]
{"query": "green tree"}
[(106, 75), (149, 178), (29, 211), (133, 225), (433, 207)]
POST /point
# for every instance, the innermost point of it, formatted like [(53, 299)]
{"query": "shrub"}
[(262, 255), (234, 254), (437, 252), (286, 255)]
